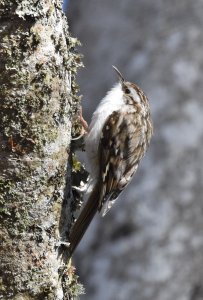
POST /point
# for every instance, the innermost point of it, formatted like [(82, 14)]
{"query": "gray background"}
[(150, 245)]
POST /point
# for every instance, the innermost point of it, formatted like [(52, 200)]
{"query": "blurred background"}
[(150, 245)]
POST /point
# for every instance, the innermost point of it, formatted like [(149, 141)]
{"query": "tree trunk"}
[(37, 104)]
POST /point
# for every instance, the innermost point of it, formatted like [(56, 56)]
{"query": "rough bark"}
[(37, 105)]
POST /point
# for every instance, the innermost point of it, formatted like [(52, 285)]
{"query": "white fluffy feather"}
[(111, 102)]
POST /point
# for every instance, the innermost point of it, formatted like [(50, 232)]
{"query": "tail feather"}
[(84, 219)]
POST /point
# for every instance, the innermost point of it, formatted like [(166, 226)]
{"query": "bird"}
[(118, 137)]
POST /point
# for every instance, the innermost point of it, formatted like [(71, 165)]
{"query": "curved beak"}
[(121, 79)]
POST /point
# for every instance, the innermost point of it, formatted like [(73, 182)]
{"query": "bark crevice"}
[(38, 100)]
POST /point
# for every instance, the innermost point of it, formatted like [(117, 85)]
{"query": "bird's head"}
[(130, 90)]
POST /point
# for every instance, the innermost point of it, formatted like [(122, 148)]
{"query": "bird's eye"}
[(127, 91)]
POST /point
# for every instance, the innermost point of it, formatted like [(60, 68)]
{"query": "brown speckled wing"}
[(120, 150)]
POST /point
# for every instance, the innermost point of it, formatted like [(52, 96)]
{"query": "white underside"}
[(113, 101)]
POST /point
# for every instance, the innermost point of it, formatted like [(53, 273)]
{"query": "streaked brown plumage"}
[(119, 135)]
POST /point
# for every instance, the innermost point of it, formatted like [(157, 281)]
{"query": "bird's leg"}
[(84, 129), (83, 122)]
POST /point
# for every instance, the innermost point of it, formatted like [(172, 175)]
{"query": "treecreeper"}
[(118, 137)]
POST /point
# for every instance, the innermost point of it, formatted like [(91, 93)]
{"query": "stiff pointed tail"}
[(84, 219)]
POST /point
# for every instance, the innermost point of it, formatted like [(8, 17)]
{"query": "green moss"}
[(71, 286), (27, 91), (76, 164)]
